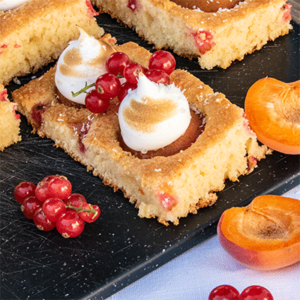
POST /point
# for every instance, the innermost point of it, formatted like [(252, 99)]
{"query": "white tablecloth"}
[(195, 273)]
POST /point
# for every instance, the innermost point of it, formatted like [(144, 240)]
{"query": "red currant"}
[(132, 71), (162, 60), (116, 63), (23, 190), (132, 4), (76, 200), (224, 292), (70, 224), (30, 205), (158, 76), (41, 221), (108, 86), (125, 89), (59, 187), (255, 292), (41, 191), (48, 178), (54, 208), (90, 216), (95, 103), (53, 186)]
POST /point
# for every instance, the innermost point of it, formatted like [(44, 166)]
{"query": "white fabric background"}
[(194, 274)]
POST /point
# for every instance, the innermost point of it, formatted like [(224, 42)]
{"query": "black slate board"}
[(120, 247)]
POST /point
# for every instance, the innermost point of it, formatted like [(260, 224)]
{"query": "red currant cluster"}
[(118, 65), (228, 292), (51, 204)]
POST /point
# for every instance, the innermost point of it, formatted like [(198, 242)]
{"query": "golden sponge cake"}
[(215, 38), (167, 188), (9, 121), (36, 33)]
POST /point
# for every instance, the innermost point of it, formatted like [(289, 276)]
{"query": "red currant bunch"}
[(118, 65), (51, 204), (228, 292)]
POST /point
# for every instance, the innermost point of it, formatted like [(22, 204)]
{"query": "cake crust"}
[(216, 39), (164, 187), (36, 32), (9, 121)]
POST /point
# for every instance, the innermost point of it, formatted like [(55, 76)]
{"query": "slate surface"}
[(120, 247)]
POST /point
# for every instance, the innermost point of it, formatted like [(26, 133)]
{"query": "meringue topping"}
[(10, 4), (153, 115), (81, 63)]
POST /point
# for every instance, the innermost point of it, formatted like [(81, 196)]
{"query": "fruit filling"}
[(195, 129), (3, 95), (208, 6), (167, 201), (203, 40), (132, 4), (81, 130), (3, 48), (92, 13), (37, 112), (287, 12)]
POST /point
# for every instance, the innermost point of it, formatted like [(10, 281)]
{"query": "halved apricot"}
[(273, 110), (264, 235)]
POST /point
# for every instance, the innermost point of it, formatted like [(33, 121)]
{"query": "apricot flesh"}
[(264, 235), (207, 5), (273, 110)]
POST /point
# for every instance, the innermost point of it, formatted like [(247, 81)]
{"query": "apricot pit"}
[(264, 235)]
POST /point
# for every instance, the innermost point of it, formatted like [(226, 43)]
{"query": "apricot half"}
[(273, 110), (264, 235)]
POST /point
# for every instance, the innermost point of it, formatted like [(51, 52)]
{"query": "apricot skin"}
[(257, 252), (273, 110)]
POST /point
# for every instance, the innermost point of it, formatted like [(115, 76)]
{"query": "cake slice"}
[(9, 121), (166, 188), (215, 38), (36, 33)]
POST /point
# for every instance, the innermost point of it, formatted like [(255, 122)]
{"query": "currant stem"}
[(83, 90), (80, 209)]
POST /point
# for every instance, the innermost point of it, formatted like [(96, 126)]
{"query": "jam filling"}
[(195, 129)]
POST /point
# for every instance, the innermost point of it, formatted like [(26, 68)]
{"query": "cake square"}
[(36, 32), (166, 188), (214, 38), (9, 121)]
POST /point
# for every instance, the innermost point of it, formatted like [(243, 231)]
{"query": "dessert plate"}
[(119, 248)]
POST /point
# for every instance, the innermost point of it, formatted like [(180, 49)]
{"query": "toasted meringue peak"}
[(153, 115), (81, 63), (10, 4)]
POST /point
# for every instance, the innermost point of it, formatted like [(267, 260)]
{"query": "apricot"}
[(208, 5), (265, 235), (273, 110)]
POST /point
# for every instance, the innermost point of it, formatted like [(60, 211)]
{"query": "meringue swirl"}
[(81, 63), (153, 115), (10, 4)]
